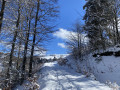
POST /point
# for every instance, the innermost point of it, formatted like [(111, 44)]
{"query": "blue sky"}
[(70, 11)]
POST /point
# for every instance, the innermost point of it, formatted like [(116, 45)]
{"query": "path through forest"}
[(55, 77)]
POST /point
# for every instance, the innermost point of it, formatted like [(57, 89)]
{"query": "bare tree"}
[(34, 38), (77, 41), (46, 11), (2, 13), (26, 28), (29, 18)]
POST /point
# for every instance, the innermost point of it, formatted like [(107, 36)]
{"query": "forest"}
[(26, 26)]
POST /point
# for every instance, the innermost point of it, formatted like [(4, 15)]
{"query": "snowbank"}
[(105, 70)]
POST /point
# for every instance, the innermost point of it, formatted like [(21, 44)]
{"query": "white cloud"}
[(62, 45), (66, 35), (62, 33)]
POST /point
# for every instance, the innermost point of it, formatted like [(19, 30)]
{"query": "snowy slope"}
[(55, 77), (106, 70)]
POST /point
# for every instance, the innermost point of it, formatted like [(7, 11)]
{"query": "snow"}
[(56, 77), (55, 55), (107, 69), (114, 49)]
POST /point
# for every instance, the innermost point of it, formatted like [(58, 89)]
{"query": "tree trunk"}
[(114, 38), (13, 43), (102, 41), (2, 13), (34, 38), (117, 31), (17, 67), (25, 51)]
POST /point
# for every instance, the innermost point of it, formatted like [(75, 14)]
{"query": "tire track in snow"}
[(70, 84)]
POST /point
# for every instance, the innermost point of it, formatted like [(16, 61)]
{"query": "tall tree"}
[(34, 38), (46, 11), (29, 9), (97, 18), (116, 20), (76, 41), (14, 40), (2, 13)]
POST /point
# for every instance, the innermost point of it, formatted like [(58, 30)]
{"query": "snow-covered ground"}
[(55, 77), (106, 70)]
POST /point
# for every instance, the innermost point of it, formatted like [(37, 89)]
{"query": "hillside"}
[(104, 66)]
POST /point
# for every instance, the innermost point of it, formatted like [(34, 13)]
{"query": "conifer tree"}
[(97, 19)]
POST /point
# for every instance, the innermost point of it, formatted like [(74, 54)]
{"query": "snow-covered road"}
[(55, 77)]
